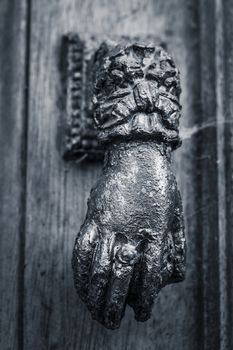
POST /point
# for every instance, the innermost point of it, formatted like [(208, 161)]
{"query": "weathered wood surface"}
[(13, 21), (57, 191), (226, 195), (43, 198), (208, 189), (216, 171)]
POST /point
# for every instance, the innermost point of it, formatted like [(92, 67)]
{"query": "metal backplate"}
[(78, 69)]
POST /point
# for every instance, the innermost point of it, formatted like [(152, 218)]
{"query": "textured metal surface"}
[(132, 242), (78, 68), (80, 60)]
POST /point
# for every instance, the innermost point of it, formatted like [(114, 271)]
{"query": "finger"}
[(100, 273), (137, 275), (134, 284), (82, 258), (178, 236), (149, 286), (122, 272), (168, 265)]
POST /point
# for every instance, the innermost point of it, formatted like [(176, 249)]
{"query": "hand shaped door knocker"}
[(132, 242)]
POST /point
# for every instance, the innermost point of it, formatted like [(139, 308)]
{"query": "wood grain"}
[(57, 191), (208, 189), (13, 22), (226, 53), (216, 172)]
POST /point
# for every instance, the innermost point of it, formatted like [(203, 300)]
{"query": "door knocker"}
[(132, 241)]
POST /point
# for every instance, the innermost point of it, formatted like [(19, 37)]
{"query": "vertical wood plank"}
[(208, 189), (57, 191), (13, 24), (216, 52), (227, 102)]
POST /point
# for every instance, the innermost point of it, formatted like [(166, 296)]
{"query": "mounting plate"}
[(78, 69)]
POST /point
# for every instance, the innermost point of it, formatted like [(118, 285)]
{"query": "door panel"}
[(13, 118), (45, 196), (57, 191)]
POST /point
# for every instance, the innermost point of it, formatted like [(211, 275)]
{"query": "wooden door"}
[(43, 197)]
